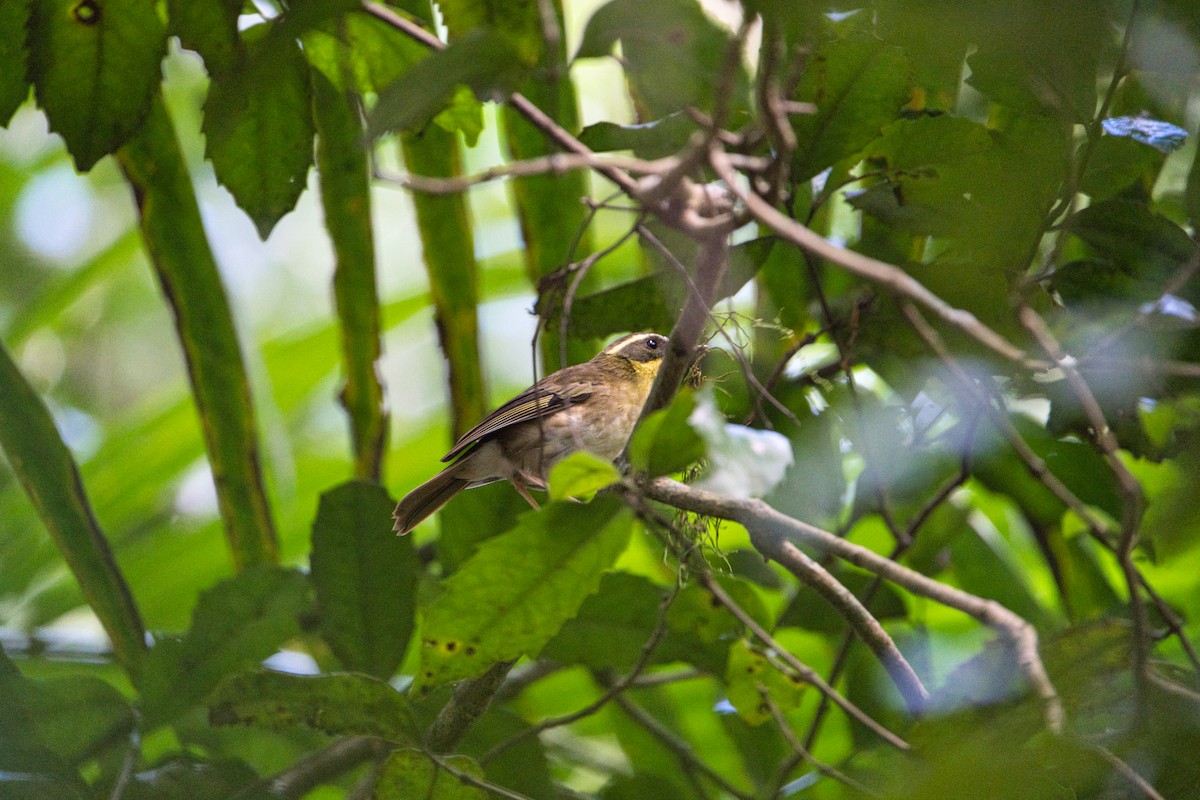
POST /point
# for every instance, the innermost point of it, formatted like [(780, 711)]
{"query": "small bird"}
[(591, 406)]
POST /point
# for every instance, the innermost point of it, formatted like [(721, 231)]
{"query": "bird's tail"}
[(426, 499)]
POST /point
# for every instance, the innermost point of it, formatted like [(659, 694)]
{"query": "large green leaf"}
[(751, 678), (175, 240), (259, 129), (47, 471), (360, 53), (236, 624), (365, 578), (858, 86), (94, 66), (518, 589), (14, 85), (339, 705)]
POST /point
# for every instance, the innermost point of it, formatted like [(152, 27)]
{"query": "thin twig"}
[(679, 748), (887, 275), (802, 752), (470, 780), (610, 692), (1129, 773)]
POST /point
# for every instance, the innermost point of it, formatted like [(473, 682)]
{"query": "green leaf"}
[(14, 85), (518, 589), (988, 569), (611, 626), (751, 675), (674, 55), (365, 578), (407, 774), (74, 718), (664, 442), (47, 471), (858, 86), (1191, 196), (485, 60), (1116, 164), (236, 624), (179, 251), (339, 705), (210, 28), (95, 69), (1042, 60), (650, 140), (699, 627), (580, 475), (360, 53), (259, 129), (184, 775), (346, 200), (519, 20), (1134, 239)]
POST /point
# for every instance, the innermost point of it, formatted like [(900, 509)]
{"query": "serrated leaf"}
[(94, 67), (365, 578), (664, 442), (236, 624), (339, 705), (580, 475), (14, 85), (518, 589), (858, 86), (408, 774), (749, 676), (210, 28), (259, 129)]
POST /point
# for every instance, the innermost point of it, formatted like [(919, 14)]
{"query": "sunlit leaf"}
[(410, 773), (751, 679), (580, 475), (518, 589)]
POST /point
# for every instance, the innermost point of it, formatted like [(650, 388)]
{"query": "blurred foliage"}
[(200, 596)]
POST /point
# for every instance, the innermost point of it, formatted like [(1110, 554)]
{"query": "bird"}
[(592, 406)]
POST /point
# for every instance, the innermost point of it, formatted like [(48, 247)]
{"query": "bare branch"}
[(768, 527)]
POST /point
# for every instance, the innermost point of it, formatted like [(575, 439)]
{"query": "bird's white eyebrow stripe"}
[(626, 341)]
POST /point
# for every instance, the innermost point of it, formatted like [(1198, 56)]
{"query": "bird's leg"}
[(521, 484)]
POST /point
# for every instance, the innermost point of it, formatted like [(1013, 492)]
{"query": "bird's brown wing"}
[(540, 400)]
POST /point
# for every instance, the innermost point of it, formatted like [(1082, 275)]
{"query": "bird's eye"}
[(652, 343)]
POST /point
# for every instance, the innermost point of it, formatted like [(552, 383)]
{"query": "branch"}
[(768, 528), (324, 764), (887, 275)]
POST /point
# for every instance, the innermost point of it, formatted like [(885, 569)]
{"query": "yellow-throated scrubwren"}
[(591, 406)]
